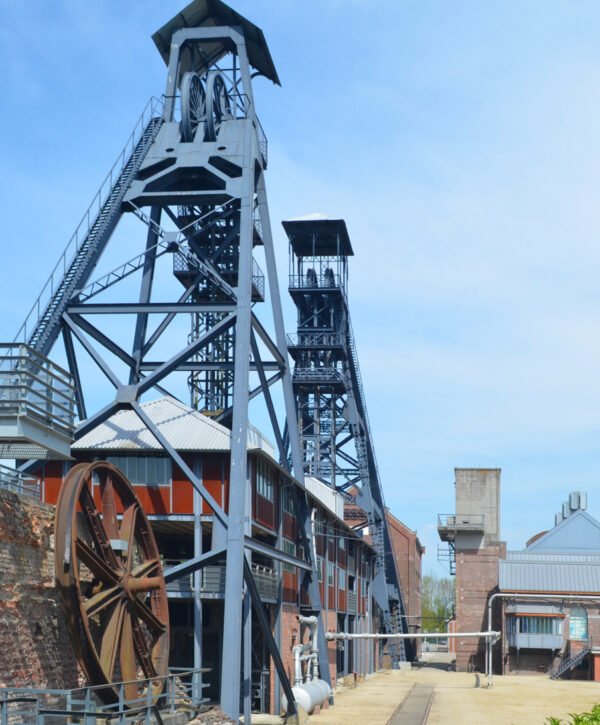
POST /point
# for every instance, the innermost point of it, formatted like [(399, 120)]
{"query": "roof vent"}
[(558, 518), (566, 509)]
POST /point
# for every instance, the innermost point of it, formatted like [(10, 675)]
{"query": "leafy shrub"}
[(585, 718)]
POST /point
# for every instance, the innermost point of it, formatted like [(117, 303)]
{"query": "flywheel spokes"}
[(110, 580)]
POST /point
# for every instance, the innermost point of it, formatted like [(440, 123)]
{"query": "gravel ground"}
[(514, 700)]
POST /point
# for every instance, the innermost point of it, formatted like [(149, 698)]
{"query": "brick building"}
[(408, 552), (545, 599), (35, 650), (183, 526)]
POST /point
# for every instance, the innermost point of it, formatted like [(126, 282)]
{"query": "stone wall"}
[(35, 650)]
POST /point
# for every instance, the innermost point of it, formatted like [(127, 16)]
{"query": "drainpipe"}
[(516, 595)]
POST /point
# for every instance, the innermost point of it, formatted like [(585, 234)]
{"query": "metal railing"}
[(258, 279), (314, 281), (18, 482), (181, 689), (34, 387), (315, 339), (152, 110), (186, 262), (317, 375), (352, 601), (461, 521), (212, 581), (262, 141)]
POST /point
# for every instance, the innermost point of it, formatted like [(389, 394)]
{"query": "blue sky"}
[(460, 143)]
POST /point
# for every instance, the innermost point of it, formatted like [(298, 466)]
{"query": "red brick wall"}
[(476, 578), (408, 553), (35, 650)]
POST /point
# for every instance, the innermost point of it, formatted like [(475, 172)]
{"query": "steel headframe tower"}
[(335, 436), (202, 176)]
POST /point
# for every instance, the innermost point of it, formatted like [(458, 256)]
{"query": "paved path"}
[(415, 708)]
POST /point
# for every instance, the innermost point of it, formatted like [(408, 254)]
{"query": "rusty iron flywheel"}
[(110, 581)]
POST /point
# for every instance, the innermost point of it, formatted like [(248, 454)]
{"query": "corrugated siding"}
[(552, 556), (528, 608), (326, 495), (549, 576), (185, 429)]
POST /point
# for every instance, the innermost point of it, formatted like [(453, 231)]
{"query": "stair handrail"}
[(153, 109)]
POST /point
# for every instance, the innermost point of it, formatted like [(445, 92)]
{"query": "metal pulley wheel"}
[(193, 105), (218, 104), (110, 581)]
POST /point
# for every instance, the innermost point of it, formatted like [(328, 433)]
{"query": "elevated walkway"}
[(37, 405)]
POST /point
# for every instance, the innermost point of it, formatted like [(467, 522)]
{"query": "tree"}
[(437, 603)]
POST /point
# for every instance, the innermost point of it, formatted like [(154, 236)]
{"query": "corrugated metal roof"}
[(545, 556), (185, 429), (332, 235), (579, 532), (209, 13), (558, 575)]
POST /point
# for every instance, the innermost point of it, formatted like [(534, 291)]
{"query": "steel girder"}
[(335, 435), (212, 188)]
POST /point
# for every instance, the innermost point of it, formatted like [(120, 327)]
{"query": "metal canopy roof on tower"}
[(321, 231), (209, 13)]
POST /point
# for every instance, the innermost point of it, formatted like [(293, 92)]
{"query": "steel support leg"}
[(232, 625)]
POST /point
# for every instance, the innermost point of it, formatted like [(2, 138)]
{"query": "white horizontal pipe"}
[(422, 635)]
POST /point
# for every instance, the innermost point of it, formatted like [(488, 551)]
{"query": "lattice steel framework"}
[(193, 173), (335, 436)]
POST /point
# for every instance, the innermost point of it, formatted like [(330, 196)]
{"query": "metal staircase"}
[(42, 324), (336, 438), (570, 660)]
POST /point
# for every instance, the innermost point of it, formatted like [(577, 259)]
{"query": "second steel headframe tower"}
[(335, 435), (193, 174)]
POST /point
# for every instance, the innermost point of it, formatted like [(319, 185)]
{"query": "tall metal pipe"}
[(312, 623)]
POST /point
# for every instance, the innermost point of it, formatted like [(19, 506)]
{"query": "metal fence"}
[(19, 482), (28, 706)]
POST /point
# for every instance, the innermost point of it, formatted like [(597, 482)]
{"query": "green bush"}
[(585, 718)]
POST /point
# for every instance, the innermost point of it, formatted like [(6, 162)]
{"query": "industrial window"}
[(534, 625), (342, 542), (289, 548), (330, 573), (264, 480), (342, 579), (287, 496), (578, 623), (143, 470), (320, 568)]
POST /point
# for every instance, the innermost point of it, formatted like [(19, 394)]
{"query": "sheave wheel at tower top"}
[(193, 105), (110, 581)]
